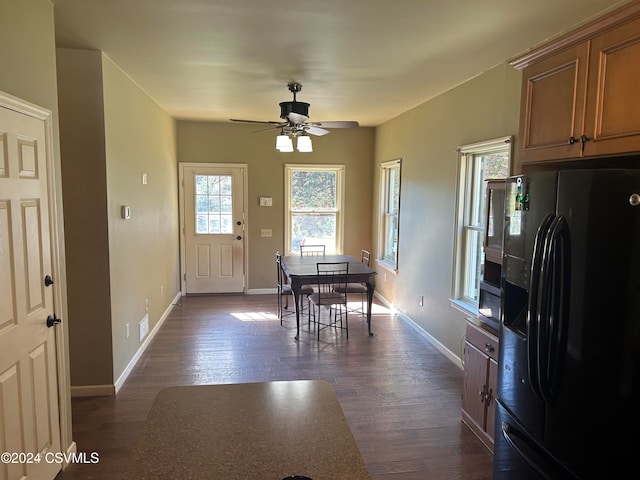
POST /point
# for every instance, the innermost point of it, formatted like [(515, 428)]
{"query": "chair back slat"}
[(331, 277), (312, 250), (365, 257)]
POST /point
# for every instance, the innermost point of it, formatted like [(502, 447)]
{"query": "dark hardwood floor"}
[(400, 395)]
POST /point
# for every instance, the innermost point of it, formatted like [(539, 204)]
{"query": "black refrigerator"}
[(568, 397)]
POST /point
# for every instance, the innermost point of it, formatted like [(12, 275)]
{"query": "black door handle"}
[(52, 320), (48, 281), (238, 237)]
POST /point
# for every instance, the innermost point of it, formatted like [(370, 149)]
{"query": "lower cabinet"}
[(480, 382)]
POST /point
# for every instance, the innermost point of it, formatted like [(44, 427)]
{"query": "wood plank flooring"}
[(400, 395)]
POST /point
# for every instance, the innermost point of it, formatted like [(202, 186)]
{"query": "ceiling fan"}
[(295, 116)]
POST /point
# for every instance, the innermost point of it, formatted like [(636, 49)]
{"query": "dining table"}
[(302, 270)]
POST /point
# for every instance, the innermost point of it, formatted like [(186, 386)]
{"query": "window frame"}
[(339, 201), (466, 183), (383, 214)]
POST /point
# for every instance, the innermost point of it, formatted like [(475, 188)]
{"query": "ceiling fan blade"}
[(339, 124), (297, 118), (275, 127), (316, 131), (269, 122)]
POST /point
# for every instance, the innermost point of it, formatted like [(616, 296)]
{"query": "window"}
[(314, 205), (389, 213), (478, 162), (213, 204)]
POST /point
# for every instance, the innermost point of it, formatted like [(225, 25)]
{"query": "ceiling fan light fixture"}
[(283, 141), (304, 144)]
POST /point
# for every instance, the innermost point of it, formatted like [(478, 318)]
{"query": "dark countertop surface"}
[(263, 431)]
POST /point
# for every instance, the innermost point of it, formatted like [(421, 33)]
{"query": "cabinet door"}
[(613, 116), (552, 109), (494, 222), (475, 381), (491, 399)]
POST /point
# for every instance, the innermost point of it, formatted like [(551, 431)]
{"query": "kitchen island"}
[(267, 430)]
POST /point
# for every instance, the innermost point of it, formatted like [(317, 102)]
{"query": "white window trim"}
[(462, 192), (384, 166), (339, 169)]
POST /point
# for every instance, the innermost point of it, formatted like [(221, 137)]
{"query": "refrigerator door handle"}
[(539, 462), (553, 309), (534, 301)]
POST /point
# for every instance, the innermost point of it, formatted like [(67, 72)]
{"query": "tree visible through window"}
[(479, 162), (213, 204), (314, 207)]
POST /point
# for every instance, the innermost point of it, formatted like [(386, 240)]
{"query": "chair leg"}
[(346, 321)]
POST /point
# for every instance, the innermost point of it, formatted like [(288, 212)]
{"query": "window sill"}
[(386, 266), (463, 307)]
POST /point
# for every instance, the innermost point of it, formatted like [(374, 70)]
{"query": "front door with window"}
[(214, 229)]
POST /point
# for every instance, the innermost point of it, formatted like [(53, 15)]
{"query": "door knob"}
[(48, 281), (52, 320), (238, 237)]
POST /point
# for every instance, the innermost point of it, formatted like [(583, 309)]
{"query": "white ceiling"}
[(363, 60)]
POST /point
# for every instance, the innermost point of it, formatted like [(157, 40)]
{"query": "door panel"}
[(28, 377), (214, 229)]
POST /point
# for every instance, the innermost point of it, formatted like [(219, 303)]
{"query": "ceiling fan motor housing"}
[(301, 108)]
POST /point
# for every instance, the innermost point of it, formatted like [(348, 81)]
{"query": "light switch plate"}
[(266, 201), (266, 232)]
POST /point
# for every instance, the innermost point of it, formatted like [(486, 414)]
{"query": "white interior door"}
[(214, 229), (29, 411)]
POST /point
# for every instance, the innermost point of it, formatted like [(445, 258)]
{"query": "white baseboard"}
[(125, 374), (422, 332), (71, 449), (110, 390), (93, 391), (262, 291)]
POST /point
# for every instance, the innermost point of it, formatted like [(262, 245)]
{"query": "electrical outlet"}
[(126, 330), (161, 290), (144, 327), (146, 304), (421, 300)]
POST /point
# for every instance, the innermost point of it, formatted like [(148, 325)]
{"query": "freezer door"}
[(589, 419), (530, 208), (517, 456)]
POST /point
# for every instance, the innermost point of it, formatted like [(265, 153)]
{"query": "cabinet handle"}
[(489, 348), (572, 140), (482, 394), (488, 396), (583, 140)]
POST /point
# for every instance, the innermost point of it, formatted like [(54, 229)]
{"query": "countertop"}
[(260, 431)]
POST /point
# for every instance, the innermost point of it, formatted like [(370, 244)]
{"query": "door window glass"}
[(213, 204)]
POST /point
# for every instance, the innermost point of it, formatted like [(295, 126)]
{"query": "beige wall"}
[(235, 143), (85, 202), (111, 133), (28, 71), (426, 139)]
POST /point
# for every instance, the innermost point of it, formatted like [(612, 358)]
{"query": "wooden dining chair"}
[(285, 291), (331, 277), (312, 250), (359, 288)]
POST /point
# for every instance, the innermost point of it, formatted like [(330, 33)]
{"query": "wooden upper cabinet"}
[(580, 92), (613, 96), (552, 107)]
